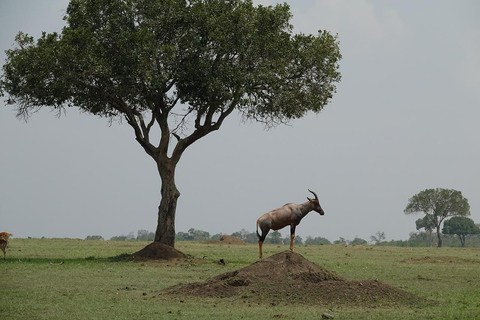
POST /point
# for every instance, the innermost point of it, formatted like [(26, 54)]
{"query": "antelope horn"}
[(313, 194)]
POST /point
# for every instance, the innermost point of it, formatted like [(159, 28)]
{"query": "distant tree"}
[(460, 226), (274, 237), (145, 235), (173, 70), (142, 235), (94, 237), (317, 240), (378, 237), (438, 204), (198, 235), (297, 240), (251, 238), (427, 224), (322, 240), (237, 234), (358, 241), (423, 239), (183, 236), (341, 240), (119, 238), (242, 234), (216, 236)]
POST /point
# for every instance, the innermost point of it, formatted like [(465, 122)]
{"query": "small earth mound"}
[(158, 251), (231, 240), (290, 278), (226, 239)]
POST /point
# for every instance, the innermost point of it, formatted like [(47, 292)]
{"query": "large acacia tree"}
[(181, 66), (438, 204)]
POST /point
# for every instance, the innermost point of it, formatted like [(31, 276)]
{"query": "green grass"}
[(91, 285)]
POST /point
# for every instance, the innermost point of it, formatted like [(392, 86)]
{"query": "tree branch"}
[(135, 120), (202, 130)]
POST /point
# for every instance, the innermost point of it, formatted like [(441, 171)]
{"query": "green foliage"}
[(358, 241), (193, 235), (119, 238), (125, 57), (274, 237), (437, 205), (96, 237), (425, 223), (145, 235), (341, 240), (317, 240), (198, 235), (298, 240), (182, 236), (460, 226)]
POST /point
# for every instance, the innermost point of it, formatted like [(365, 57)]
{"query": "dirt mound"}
[(158, 251), (289, 278), (231, 240), (284, 265), (225, 239)]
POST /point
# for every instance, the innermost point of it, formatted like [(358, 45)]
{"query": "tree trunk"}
[(165, 232), (439, 235)]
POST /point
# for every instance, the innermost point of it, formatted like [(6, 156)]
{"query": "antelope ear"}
[(309, 199)]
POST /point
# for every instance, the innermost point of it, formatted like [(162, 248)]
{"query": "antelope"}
[(290, 214), (4, 241), (6, 235)]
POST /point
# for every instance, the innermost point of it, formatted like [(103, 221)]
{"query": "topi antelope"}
[(290, 214)]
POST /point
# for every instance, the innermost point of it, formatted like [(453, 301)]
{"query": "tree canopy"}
[(461, 226), (176, 68), (438, 204), (425, 223)]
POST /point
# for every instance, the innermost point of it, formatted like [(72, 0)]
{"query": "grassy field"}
[(77, 279)]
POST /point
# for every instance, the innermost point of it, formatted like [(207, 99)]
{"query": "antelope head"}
[(315, 203)]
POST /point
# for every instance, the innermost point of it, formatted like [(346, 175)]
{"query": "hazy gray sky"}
[(405, 118)]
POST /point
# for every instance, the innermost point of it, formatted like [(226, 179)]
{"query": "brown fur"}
[(5, 235), (4, 241)]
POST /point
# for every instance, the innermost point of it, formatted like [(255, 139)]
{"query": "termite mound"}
[(287, 278), (157, 251), (226, 239)]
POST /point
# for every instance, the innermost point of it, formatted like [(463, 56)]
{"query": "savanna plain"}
[(80, 279)]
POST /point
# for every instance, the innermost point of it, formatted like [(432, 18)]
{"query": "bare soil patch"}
[(287, 278), (157, 251)]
